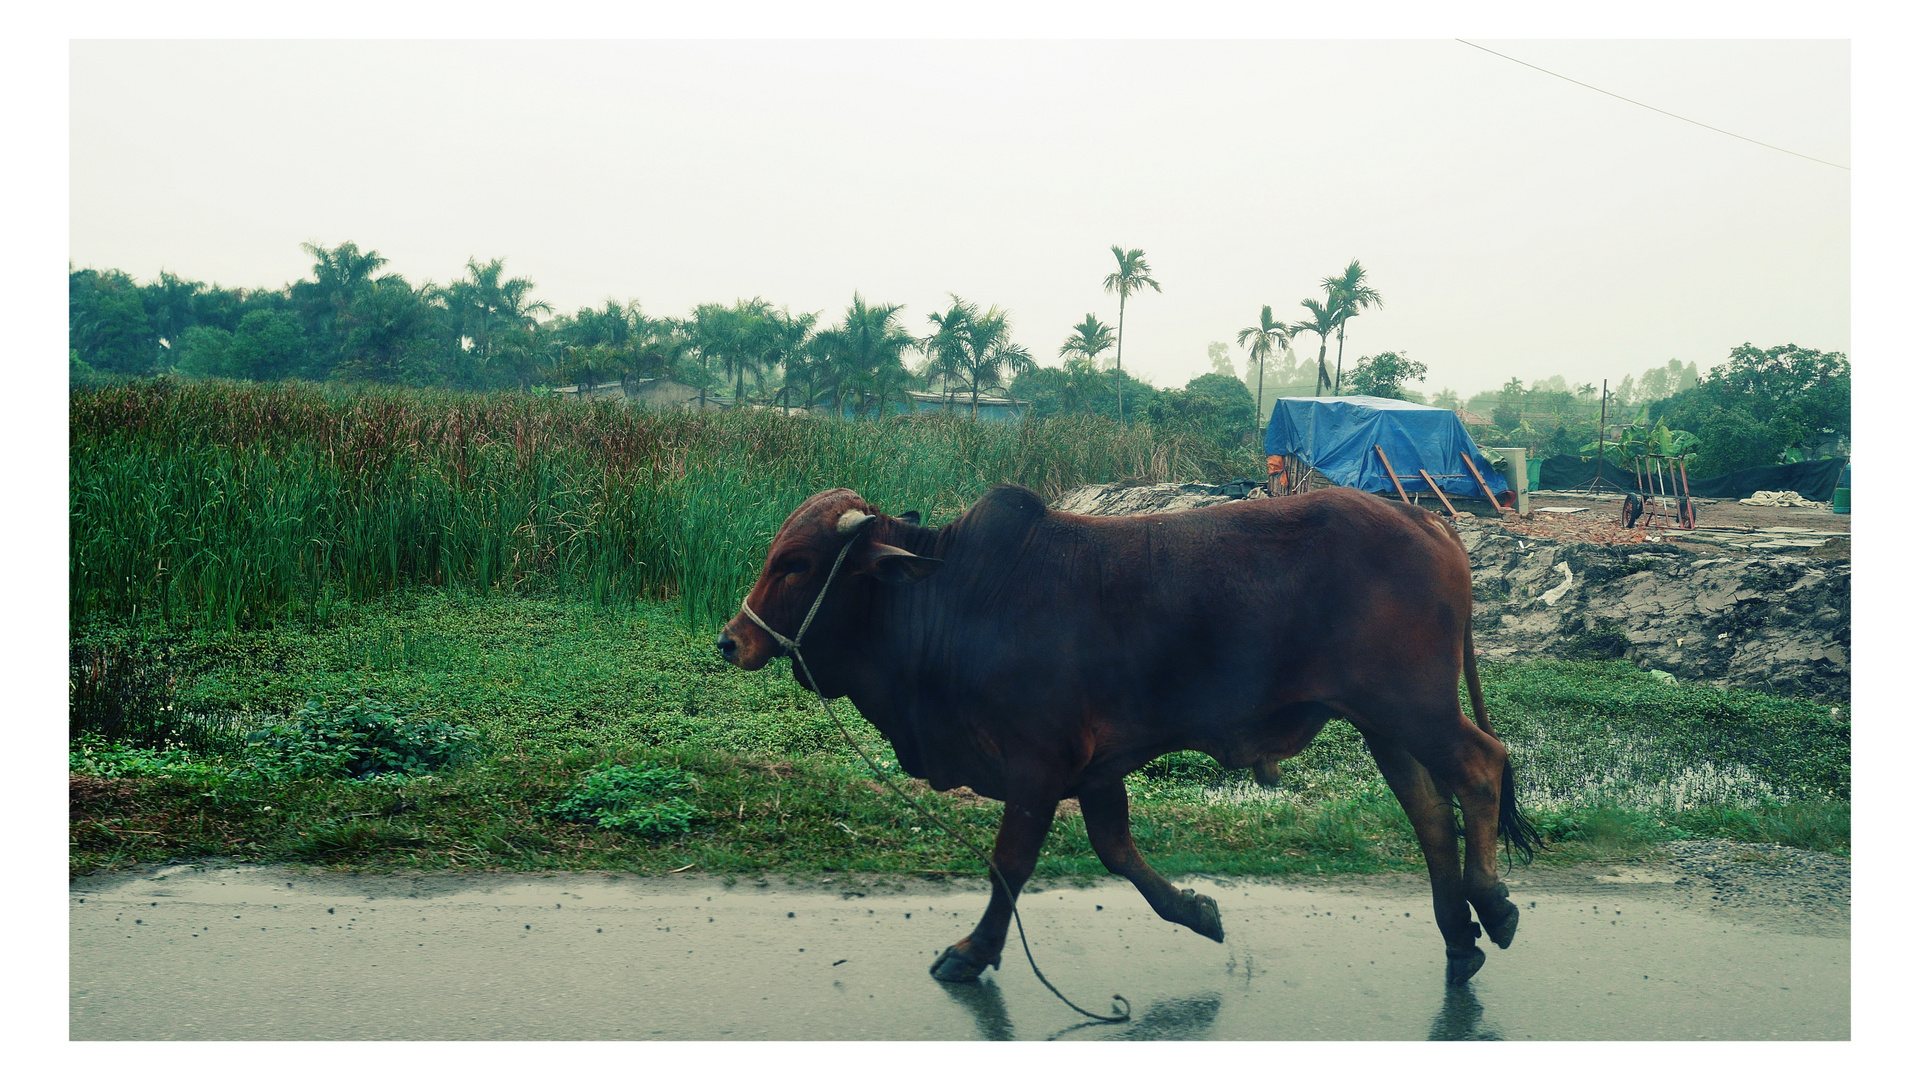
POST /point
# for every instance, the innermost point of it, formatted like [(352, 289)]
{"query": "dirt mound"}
[(1758, 620), (1128, 497)]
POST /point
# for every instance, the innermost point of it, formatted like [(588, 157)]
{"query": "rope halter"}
[(849, 525)]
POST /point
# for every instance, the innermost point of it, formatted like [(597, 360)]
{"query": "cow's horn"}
[(851, 522)]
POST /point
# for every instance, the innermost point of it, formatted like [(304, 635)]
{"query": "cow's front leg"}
[(1023, 828), (1105, 809)]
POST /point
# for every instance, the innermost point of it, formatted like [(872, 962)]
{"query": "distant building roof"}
[(583, 388), (962, 399), (1468, 417)]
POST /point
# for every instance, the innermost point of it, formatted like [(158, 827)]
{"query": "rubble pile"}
[(1133, 497), (1587, 528), (1778, 621)]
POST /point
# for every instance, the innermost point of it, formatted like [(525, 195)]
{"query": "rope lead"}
[(792, 645), (1013, 898)]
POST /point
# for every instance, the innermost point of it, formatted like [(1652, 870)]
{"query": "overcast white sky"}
[(1515, 224)]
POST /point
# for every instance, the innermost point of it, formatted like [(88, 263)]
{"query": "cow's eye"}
[(795, 566)]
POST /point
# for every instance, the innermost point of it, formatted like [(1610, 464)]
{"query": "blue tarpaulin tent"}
[(1337, 437)]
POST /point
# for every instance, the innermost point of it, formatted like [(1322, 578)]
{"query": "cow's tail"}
[(1515, 829)]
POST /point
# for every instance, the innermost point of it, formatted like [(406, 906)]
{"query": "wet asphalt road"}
[(274, 953)]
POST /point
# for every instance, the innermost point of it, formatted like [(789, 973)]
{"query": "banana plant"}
[(1668, 443)]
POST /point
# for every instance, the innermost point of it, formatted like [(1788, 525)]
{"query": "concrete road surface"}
[(288, 953)]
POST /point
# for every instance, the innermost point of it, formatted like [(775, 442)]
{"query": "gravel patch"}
[(1769, 886), (1810, 891)]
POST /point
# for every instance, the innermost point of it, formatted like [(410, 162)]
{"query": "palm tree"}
[(1082, 383), (491, 311), (1325, 322), (381, 331), (786, 346), (1133, 275), (662, 346), (1088, 340), (863, 353), (945, 348), (748, 337), (709, 332), (988, 348), (339, 275), (1349, 294), (1268, 337)]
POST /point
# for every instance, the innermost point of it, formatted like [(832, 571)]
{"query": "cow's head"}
[(799, 561)]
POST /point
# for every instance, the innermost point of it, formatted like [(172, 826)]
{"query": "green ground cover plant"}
[(357, 739), (557, 691), (636, 801)]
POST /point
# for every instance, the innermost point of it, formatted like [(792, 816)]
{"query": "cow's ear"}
[(895, 566), (911, 517)]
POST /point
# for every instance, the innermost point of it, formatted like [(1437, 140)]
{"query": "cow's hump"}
[(1008, 506)]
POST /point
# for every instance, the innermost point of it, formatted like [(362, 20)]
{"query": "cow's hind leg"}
[(1431, 812), (1023, 828), (1105, 810), (1474, 765)]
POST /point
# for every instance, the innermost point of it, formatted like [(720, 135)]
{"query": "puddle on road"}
[(272, 954)]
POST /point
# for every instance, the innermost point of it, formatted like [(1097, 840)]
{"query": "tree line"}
[(350, 320)]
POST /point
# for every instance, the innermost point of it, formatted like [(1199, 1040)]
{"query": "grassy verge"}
[(555, 690), (220, 504)]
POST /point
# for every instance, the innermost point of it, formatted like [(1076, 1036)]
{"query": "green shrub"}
[(638, 802), (358, 739)]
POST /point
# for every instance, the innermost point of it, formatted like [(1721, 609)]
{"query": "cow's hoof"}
[(957, 967), (1500, 923), (1266, 773), (1203, 915), (1462, 963), (1498, 914)]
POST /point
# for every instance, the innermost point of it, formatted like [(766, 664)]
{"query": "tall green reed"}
[(224, 504)]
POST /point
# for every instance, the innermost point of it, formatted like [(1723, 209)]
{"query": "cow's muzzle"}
[(744, 646)]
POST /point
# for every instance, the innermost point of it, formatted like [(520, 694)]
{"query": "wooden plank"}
[(1686, 493), (1387, 465), (1485, 488), (1451, 512)]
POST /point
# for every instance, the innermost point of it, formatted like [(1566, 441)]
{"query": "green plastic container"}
[(1843, 491), (1533, 473)]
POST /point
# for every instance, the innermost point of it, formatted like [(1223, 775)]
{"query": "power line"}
[(1644, 105)]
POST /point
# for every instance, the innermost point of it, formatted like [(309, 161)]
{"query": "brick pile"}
[(1592, 527)]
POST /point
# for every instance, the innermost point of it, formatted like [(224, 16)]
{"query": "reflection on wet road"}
[(264, 953)]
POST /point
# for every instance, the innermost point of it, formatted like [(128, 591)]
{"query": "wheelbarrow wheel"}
[(1630, 510)]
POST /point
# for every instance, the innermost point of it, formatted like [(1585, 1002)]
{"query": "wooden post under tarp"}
[(1485, 488), (1686, 495), (1388, 465), (1451, 512)]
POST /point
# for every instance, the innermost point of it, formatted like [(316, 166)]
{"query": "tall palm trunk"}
[(1340, 359), (1320, 376), (1260, 381), (1119, 354)]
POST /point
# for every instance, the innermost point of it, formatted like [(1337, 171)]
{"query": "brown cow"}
[(1036, 656)]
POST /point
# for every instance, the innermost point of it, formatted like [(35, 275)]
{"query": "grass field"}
[(240, 504), (501, 608), (555, 689)]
